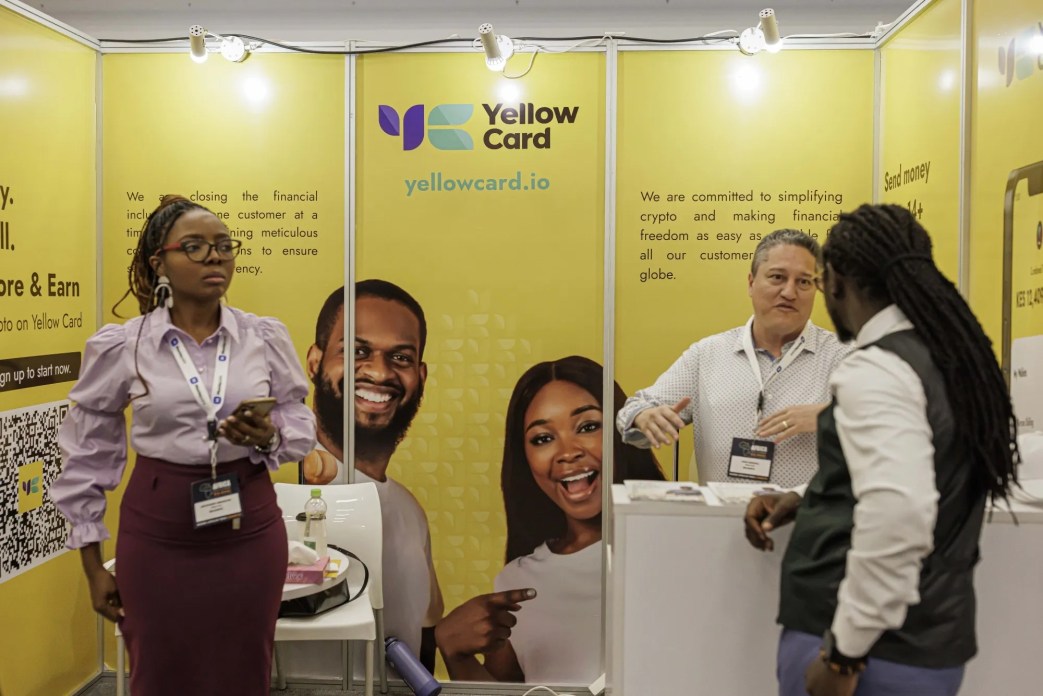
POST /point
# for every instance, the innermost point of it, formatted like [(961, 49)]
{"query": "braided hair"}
[(888, 254), (141, 278)]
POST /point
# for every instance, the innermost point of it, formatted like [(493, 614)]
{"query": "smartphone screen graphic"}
[(1023, 294)]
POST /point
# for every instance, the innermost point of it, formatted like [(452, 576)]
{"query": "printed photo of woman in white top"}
[(543, 623)]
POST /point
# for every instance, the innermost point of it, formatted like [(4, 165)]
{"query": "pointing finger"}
[(681, 405), (509, 598)]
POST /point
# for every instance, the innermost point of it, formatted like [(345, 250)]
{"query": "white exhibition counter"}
[(692, 606)]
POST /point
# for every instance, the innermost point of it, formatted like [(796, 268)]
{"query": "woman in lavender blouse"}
[(198, 588)]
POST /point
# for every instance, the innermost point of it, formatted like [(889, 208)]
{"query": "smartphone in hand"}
[(260, 407)]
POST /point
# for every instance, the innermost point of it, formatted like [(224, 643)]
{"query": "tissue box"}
[(305, 574)]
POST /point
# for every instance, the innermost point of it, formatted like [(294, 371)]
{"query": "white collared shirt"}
[(715, 373), (881, 417)]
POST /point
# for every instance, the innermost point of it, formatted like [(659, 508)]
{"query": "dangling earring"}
[(161, 294)]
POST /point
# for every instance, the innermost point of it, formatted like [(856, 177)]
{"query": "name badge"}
[(216, 500), (751, 459)]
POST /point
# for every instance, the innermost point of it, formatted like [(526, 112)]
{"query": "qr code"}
[(33, 529)]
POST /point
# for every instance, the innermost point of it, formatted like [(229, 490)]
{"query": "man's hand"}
[(820, 680), (790, 422), (481, 624), (765, 513), (661, 424), (319, 467)]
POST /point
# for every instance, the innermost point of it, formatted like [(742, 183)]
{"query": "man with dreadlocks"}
[(877, 582)]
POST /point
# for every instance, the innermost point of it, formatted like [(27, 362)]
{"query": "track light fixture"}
[(197, 43), (770, 28), (763, 36), (498, 48), (233, 48)]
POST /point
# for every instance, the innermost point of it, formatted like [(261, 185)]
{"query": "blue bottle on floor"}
[(416, 676)]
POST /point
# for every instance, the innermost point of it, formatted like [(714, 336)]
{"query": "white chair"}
[(353, 523)]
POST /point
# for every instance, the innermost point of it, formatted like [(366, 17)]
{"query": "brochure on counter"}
[(682, 491), (732, 493)]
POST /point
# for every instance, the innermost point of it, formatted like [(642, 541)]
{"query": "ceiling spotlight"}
[(498, 48), (763, 36), (197, 43), (751, 41), (234, 49), (1036, 43), (769, 27)]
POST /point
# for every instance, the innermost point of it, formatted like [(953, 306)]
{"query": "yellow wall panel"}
[(1006, 135), (920, 138), (753, 144), (47, 308)]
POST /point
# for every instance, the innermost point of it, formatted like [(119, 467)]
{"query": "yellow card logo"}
[(30, 486), (411, 126), (1023, 56)]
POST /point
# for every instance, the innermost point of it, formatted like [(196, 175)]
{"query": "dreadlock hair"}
[(532, 518), (141, 278), (888, 254)]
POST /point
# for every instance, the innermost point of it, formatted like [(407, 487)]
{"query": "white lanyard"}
[(777, 368), (210, 401)]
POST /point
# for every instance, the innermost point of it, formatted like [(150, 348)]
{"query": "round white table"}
[(295, 590)]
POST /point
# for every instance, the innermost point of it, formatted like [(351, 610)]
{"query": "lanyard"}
[(210, 404), (777, 368)]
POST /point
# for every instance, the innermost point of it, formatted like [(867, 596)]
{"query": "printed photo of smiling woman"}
[(543, 623)]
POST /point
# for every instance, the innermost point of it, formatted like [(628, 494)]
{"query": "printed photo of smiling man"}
[(390, 337), (753, 393)]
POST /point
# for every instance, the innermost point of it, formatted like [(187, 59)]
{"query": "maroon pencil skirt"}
[(200, 604)]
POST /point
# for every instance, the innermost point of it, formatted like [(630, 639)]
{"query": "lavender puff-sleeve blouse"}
[(168, 423)]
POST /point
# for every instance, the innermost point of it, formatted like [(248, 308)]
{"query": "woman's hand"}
[(105, 596), (481, 624), (247, 429)]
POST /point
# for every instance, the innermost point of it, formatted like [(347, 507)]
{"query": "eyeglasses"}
[(199, 251), (803, 284)]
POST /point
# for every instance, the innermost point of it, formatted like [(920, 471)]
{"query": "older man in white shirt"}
[(753, 393)]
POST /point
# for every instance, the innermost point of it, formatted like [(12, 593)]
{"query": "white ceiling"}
[(412, 20)]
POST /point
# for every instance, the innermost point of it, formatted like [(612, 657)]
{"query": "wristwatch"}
[(836, 660), (272, 443)]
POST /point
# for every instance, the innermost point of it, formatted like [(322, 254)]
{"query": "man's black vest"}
[(939, 631)]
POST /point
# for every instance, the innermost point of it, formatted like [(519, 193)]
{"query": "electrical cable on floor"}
[(548, 690)]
